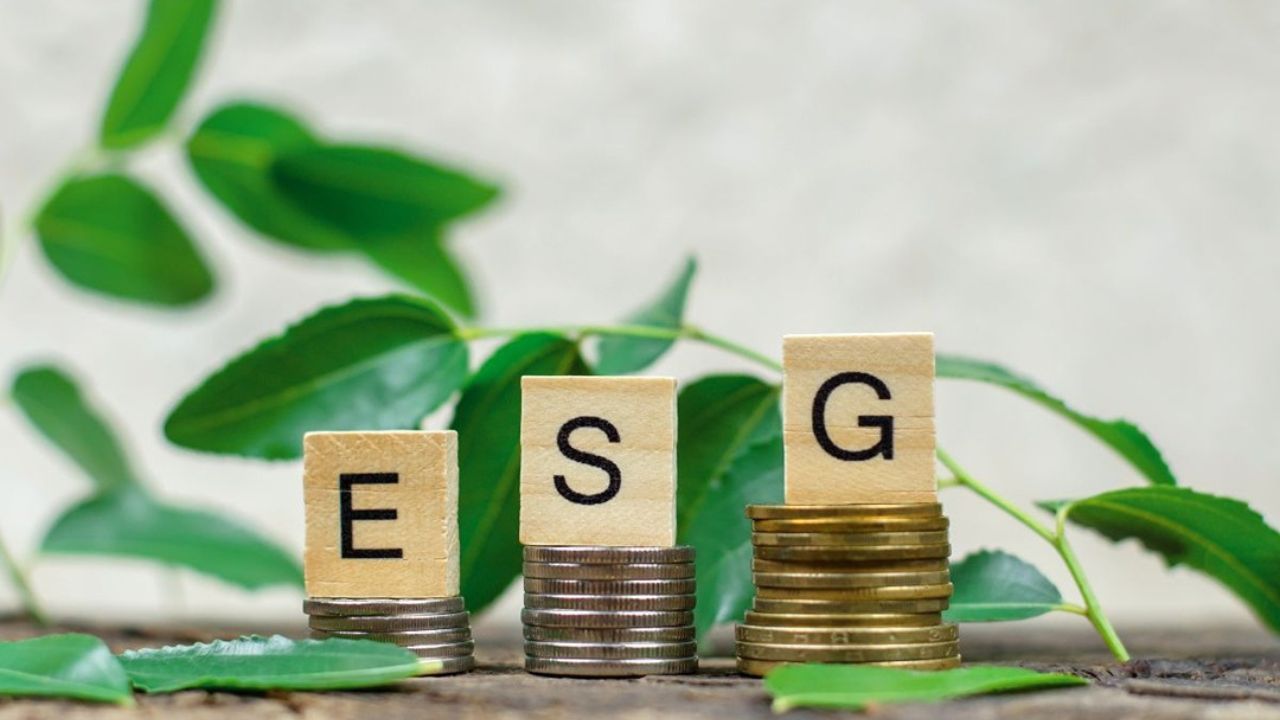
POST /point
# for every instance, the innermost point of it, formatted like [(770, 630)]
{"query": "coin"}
[(820, 553), (446, 666), (441, 650), (610, 651), (760, 668), (621, 555), (610, 668), (544, 601), (630, 571), (602, 619), (849, 579), (845, 636), (847, 653), (889, 539), (846, 620), (850, 567), (609, 587), (852, 524), (866, 510), (829, 607), (409, 637), (352, 607), (682, 633), (888, 592), (391, 623)]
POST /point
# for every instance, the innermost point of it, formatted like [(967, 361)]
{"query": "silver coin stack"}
[(433, 628), (609, 611)]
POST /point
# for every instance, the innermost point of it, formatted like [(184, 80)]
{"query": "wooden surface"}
[(1183, 672)]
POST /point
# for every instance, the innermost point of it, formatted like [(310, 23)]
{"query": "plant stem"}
[(28, 598), (991, 496)]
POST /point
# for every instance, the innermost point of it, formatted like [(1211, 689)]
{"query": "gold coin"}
[(845, 636), (843, 620), (849, 579), (853, 525), (828, 607), (890, 539), (830, 512), (629, 571), (890, 592), (850, 567), (848, 653), (760, 668), (820, 553)]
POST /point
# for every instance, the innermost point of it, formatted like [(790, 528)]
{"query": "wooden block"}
[(858, 418), (382, 514), (598, 461)]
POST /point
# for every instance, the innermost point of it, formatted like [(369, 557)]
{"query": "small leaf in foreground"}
[(1120, 435), (855, 687), (109, 234), (275, 663), (75, 666), (371, 364), (621, 354), (156, 75), (993, 586), (1221, 537)]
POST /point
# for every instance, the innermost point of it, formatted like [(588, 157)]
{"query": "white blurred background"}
[(1088, 193)]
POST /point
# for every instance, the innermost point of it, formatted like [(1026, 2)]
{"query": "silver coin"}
[(609, 587), (608, 555), (601, 619), (442, 650), (542, 601), (391, 623), (588, 571), (353, 607), (610, 651), (403, 637), (610, 668), (447, 666), (682, 633)]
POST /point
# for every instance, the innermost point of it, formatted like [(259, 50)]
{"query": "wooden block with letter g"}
[(382, 514), (858, 418), (597, 461)]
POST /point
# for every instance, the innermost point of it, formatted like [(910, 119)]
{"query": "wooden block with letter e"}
[(858, 418), (597, 461), (382, 514)]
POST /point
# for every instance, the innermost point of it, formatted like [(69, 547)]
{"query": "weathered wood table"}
[(1183, 672)]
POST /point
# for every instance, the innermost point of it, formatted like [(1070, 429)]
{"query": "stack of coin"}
[(609, 611), (849, 584), (433, 628)]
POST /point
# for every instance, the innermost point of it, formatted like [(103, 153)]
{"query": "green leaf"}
[(372, 364), (129, 522), (721, 534), (73, 666), (1222, 538), (109, 234), (156, 75), (423, 262), (857, 687), (621, 354), (54, 405), (487, 419), (993, 586), (1120, 435), (232, 152), (276, 663), (370, 191)]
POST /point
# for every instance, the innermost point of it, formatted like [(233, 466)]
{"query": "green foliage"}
[(487, 419), (1222, 538), (992, 586), (376, 364), (859, 687), (156, 75), (276, 663), (78, 667), (109, 234), (621, 354), (423, 261)]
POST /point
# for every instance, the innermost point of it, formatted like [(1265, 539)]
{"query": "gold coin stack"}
[(433, 628), (849, 584), (609, 611)]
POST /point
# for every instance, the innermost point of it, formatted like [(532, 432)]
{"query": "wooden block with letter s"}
[(382, 514), (858, 418)]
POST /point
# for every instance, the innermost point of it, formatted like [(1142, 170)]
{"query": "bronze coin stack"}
[(432, 628), (596, 611), (849, 584)]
